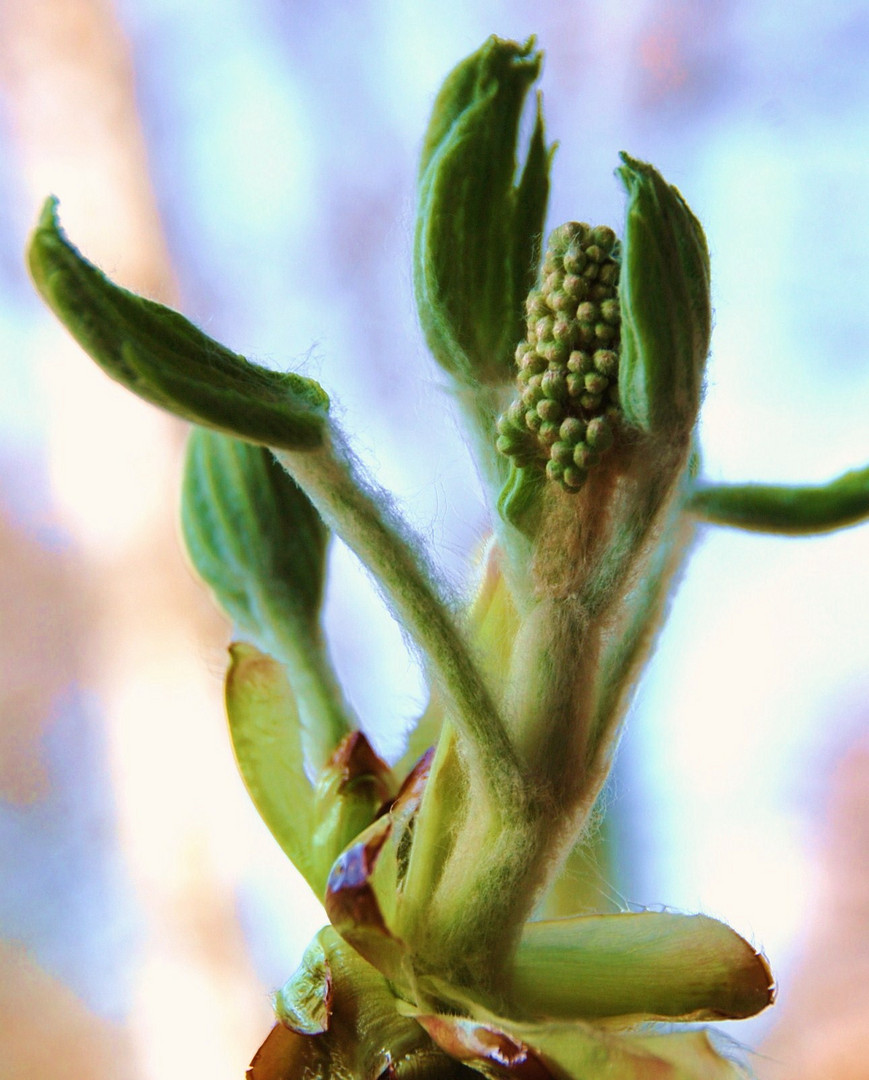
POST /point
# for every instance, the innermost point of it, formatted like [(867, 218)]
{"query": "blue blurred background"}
[(254, 164)]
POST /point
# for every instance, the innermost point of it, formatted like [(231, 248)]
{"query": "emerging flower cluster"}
[(567, 408)]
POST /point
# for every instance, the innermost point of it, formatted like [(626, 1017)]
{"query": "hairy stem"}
[(371, 528), (326, 715)]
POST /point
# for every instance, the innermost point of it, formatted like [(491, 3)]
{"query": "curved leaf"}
[(257, 541), (312, 823), (266, 737), (161, 356)]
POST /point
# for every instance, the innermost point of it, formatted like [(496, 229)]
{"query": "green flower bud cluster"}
[(567, 410)]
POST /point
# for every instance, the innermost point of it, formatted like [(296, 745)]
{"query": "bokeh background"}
[(253, 162)]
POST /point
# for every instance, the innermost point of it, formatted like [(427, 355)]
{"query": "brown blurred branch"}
[(129, 622)]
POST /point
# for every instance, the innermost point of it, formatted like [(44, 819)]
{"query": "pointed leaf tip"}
[(166, 360)]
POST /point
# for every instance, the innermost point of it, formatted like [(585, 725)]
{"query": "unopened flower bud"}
[(599, 434), (577, 339)]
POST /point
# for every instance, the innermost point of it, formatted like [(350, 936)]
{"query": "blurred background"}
[(253, 162)]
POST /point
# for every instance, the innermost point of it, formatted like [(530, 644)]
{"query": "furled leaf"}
[(257, 541), (477, 241), (801, 510), (164, 358), (666, 314), (253, 536), (304, 1002), (519, 501), (492, 618)]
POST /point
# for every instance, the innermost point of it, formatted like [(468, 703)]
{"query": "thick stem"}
[(564, 739), (585, 566), (504, 854), (631, 640), (632, 629)]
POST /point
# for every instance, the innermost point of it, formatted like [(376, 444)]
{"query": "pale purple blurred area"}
[(283, 139)]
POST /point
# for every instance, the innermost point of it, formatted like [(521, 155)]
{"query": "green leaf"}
[(666, 314), (257, 541), (794, 511), (477, 241), (312, 823), (253, 535), (363, 1033), (164, 358), (646, 965), (266, 737)]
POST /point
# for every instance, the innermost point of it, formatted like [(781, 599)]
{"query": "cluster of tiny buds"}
[(567, 410)]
